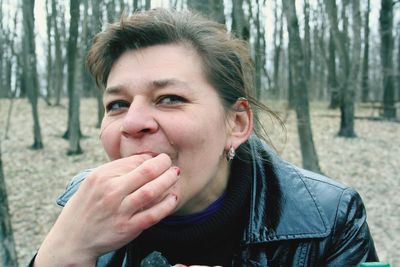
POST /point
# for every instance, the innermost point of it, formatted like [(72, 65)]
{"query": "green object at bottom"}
[(375, 264)]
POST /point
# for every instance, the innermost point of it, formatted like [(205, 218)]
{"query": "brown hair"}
[(226, 59)]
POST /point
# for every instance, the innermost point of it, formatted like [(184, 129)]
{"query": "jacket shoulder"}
[(320, 178), (332, 196)]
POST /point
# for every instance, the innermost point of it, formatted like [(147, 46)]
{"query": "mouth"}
[(127, 150), (150, 153), (172, 156)]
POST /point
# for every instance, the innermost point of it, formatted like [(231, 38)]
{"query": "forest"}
[(342, 56)]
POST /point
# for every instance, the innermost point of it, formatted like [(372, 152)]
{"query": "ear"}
[(240, 123)]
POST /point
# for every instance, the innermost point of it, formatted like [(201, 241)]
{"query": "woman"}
[(187, 177)]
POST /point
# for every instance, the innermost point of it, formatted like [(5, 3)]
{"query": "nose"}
[(138, 121)]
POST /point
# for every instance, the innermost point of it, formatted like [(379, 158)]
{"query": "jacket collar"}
[(282, 203)]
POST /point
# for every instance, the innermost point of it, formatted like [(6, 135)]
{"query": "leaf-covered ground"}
[(370, 163)]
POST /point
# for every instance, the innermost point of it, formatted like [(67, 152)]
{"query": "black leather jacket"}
[(320, 221), (297, 218)]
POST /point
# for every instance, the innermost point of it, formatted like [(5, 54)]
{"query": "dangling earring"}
[(230, 154)]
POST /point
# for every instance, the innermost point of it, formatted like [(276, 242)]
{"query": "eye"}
[(116, 105), (171, 100)]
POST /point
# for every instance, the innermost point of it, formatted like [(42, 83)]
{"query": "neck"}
[(210, 193)]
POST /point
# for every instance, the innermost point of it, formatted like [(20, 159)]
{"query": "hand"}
[(114, 204)]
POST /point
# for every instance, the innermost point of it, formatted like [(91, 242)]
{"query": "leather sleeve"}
[(351, 242)]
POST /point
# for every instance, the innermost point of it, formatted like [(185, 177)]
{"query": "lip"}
[(151, 153)]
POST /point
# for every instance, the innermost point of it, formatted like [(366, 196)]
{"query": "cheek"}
[(199, 138), (110, 139)]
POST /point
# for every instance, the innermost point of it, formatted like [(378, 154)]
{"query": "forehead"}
[(167, 58), (158, 66)]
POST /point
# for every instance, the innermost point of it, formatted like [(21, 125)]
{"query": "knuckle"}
[(97, 179), (92, 179), (147, 194), (151, 218), (121, 226), (147, 171), (137, 159), (108, 199)]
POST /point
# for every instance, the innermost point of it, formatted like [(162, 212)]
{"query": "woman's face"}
[(158, 100)]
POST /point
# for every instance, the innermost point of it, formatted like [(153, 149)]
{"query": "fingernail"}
[(178, 171)]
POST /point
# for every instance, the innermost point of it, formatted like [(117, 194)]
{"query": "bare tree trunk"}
[(49, 77), (278, 39), (386, 26), (365, 65), (135, 5), (74, 122), (147, 5), (11, 61), (9, 112), (110, 11), (200, 6), (216, 8), (8, 253), (291, 93), (259, 50), (96, 28), (2, 54), (30, 72), (308, 152), (329, 57), (6, 56), (346, 93), (318, 64), (355, 64), (307, 42), (398, 64), (213, 9), (58, 64), (240, 24), (96, 17), (333, 84), (346, 90), (8, 72), (85, 40), (122, 7)]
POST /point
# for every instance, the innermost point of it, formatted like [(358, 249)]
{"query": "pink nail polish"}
[(178, 171)]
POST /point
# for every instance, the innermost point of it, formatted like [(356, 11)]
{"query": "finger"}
[(146, 172), (156, 213), (105, 178), (132, 162), (150, 193), (121, 166)]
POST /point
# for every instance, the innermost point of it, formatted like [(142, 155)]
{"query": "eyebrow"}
[(113, 90), (162, 83), (155, 84)]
